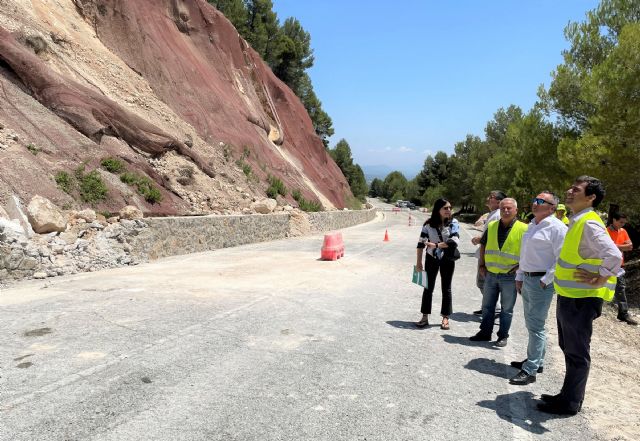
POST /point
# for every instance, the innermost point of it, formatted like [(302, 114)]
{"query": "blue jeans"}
[(503, 286), (535, 301)]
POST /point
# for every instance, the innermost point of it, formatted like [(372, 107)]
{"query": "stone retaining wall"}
[(171, 236), (184, 235), (90, 247), (336, 220)]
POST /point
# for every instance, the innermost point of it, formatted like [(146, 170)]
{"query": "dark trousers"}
[(575, 325), (446, 268), (620, 297)]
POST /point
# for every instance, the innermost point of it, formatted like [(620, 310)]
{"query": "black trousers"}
[(446, 268), (575, 326)]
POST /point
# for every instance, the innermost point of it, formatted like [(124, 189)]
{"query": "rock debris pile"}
[(84, 241)]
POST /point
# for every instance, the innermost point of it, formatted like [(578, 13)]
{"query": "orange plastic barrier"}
[(332, 247)]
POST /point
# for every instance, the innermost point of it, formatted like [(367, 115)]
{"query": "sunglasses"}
[(540, 201)]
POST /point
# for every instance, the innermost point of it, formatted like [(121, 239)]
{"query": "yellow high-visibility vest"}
[(566, 284), (502, 260)]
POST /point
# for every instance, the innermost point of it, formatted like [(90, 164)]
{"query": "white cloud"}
[(402, 149)]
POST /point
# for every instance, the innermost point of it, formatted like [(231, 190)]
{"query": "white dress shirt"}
[(597, 244), (494, 215), (541, 245)]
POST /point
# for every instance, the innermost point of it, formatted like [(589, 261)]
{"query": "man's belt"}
[(534, 273)]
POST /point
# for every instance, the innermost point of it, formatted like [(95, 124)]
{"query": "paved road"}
[(264, 342)]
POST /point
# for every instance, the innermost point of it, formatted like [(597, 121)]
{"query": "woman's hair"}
[(435, 220)]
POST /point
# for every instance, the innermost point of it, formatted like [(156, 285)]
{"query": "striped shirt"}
[(450, 235)]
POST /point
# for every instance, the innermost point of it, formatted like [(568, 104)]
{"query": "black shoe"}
[(522, 379), (556, 408), (550, 398), (480, 337), (423, 323), (627, 318), (519, 364), (501, 342), (478, 312)]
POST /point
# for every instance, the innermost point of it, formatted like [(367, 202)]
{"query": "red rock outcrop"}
[(182, 72)]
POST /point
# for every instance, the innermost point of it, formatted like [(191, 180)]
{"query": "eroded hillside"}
[(167, 87)]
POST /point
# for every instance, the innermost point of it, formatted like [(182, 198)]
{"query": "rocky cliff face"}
[(169, 88)]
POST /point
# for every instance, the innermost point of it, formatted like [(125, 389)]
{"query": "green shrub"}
[(144, 186), (129, 178), (112, 165), (276, 187), (64, 181), (33, 149), (91, 187), (304, 204), (246, 168)]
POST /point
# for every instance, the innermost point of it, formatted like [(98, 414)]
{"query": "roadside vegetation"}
[(586, 122), (144, 186), (304, 204)]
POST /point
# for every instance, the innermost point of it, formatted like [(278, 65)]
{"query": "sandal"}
[(445, 323), (423, 322)]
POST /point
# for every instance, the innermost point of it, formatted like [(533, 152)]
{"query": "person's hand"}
[(419, 267), (442, 245), (476, 240), (431, 245), (519, 286), (543, 285), (593, 279), (482, 269)]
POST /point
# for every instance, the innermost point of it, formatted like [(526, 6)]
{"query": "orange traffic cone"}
[(386, 236)]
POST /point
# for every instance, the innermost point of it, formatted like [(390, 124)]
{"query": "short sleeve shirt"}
[(619, 236)]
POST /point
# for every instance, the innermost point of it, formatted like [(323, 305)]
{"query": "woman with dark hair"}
[(439, 233)]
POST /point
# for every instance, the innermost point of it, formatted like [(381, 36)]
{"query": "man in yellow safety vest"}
[(498, 262), (585, 275)]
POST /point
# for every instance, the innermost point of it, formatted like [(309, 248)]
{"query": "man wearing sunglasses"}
[(541, 246), (585, 275)]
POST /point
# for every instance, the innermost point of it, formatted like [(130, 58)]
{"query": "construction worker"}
[(585, 276), (561, 213), (622, 240)]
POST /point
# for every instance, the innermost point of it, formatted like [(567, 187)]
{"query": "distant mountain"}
[(381, 171)]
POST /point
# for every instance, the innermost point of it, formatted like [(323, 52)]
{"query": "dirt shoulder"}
[(612, 402)]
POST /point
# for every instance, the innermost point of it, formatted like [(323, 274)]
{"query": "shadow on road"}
[(519, 408), (491, 367), (464, 341), (407, 325), (464, 317)]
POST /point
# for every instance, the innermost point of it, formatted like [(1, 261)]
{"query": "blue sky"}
[(405, 79)]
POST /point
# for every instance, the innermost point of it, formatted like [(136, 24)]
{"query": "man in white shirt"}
[(541, 246), (493, 203)]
